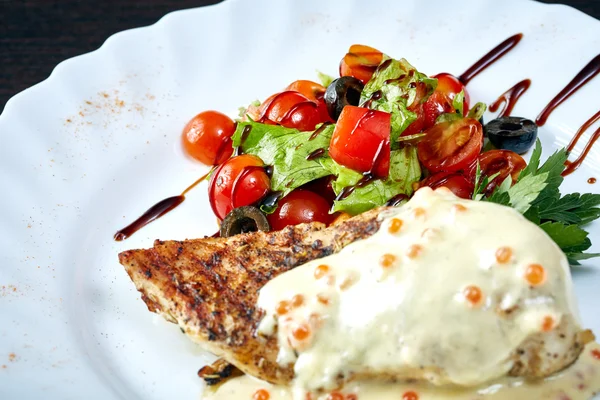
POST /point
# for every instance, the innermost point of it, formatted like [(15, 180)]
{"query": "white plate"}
[(92, 147)]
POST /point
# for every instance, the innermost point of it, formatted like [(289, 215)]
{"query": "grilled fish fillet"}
[(209, 287)]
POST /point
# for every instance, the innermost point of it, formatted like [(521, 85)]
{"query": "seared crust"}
[(210, 286)]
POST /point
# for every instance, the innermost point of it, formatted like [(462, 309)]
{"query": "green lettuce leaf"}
[(286, 150), (404, 171), (392, 89), (325, 79)]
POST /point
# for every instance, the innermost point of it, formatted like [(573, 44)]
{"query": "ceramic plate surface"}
[(91, 148)]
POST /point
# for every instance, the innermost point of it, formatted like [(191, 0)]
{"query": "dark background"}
[(35, 35)]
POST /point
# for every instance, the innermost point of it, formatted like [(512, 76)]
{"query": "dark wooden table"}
[(35, 35)]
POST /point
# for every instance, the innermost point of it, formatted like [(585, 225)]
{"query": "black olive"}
[(242, 220), (342, 92), (511, 133)]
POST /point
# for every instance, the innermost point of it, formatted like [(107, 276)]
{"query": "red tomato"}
[(437, 104), (323, 187), (360, 62), (457, 183), (292, 110), (450, 86), (240, 181), (505, 162), (451, 146), (298, 207), (361, 140), (312, 90), (207, 137)]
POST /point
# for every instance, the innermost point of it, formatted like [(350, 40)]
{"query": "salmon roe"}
[(347, 282), (547, 323), (419, 212), (335, 396), (351, 396), (596, 354), (387, 260), (395, 225), (414, 250), (535, 274), (322, 298), (503, 255), (301, 332), (459, 207), (261, 394), (297, 300), (410, 396), (283, 307), (473, 294), (321, 271)]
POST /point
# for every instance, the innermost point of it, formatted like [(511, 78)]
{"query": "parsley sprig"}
[(537, 196)]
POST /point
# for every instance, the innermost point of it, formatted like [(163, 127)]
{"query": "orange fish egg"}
[(322, 298), (459, 207), (335, 396), (321, 271), (283, 307), (395, 225), (419, 212), (347, 282), (535, 274), (410, 396), (261, 394), (503, 254), (301, 332), (297, 300), (473, 294), (596, 354), (387, 260), (547, 323), (414, 250)]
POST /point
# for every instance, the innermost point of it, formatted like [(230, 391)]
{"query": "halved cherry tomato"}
[(418, 125), (456, 182), (240, 181), (505, 162), (207, 137), (449, 85), (451, 146), (292, 110), (298, 207), (437, 104), (361, 140), (323, 187), (360, 62)]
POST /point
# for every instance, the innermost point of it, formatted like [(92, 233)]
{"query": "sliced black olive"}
[(342, 92), (512, 133), (242, 220)]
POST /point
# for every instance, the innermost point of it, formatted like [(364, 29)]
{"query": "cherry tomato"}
[(323, 187), (456, 182), (311, 90), (292, 110), (361, 140), (207, 137), (298, 207), (451, 146), (437, 104), (360, 62), (240, 181), (418, 125), (505, 162), (450, 86)]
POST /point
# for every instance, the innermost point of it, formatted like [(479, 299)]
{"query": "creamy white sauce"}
[(578, 382), (412, 319)]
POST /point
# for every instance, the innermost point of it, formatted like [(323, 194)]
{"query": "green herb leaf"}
[(526, 190), (404, 171), (286, 150), (570, 238), (325, 79), (397, 83), (458, 103)]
